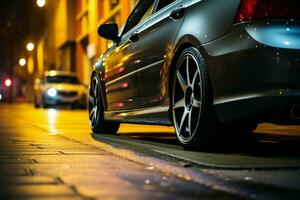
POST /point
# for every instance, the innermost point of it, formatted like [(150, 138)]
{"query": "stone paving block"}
[(101, 160), (56, 198), (36, 152), (82, 152), (106, 190), (68, 147), (17, 145), (24, 150), (35, 191), (65, 169), (56, 145), (46, 169), (15, 160), (13, 171), (28, 180)]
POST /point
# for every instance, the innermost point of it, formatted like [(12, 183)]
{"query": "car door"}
[(155, 43), (120, 68)]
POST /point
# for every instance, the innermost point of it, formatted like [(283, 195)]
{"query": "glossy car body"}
[(253, 66), (59, 88)]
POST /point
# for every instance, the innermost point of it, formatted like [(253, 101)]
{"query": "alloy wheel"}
[(187, 98), (93, 102)]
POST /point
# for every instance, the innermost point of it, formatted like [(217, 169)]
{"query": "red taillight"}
[(267, 9), (247, 10)]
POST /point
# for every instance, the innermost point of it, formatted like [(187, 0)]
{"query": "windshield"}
[(62, 79)]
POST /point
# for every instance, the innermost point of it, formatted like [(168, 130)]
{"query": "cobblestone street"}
[(48, 154)]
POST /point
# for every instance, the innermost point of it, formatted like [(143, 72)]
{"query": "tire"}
[(45, 105), (74, 107), (96, 110), (36, 104), (192, 110)]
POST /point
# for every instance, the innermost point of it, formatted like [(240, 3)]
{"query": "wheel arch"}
[(185, 42)]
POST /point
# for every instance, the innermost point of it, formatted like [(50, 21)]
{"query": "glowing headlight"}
[(52, 92), (0, 96)]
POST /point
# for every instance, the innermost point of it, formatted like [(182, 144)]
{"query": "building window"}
[(82, 17), (113, 3)]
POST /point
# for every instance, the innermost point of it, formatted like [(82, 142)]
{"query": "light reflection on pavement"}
[(54, 152)]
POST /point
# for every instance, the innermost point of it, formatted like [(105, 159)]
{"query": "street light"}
[(22, 62), (30, 46), (7, 82), (41, 3)]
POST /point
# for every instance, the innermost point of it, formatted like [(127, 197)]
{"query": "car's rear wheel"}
[(36, 104), (96, 110), (193, 116)]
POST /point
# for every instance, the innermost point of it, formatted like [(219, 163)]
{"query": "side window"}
[(163, 3), (143, 10), (147, 14)]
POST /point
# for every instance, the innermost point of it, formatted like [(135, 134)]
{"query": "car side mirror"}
[(109, 31)]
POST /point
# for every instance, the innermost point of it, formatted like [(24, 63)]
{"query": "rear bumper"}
[(255, 71), (263, 108)]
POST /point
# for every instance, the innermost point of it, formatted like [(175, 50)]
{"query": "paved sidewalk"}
[(38, 163)]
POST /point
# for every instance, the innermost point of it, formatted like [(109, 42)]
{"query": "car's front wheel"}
[(96, 110), (193, 115)]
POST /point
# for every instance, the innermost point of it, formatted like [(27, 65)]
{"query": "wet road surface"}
[(47, 154)]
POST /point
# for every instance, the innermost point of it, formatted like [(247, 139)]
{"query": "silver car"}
[(59, 88)]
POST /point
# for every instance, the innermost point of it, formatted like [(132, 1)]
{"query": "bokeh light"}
[(30, 46), (22, 62), (41, 3)]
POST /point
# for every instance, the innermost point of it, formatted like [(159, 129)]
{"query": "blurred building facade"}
[(71, 42)]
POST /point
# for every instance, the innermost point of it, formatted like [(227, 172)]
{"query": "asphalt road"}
[(51, 154)]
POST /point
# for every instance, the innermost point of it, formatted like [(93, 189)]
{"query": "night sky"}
[(20, 22)]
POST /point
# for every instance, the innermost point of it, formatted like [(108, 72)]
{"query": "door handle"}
[(134, 37), (177, 13)]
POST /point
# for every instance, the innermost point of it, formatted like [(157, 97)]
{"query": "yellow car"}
[(59, 88)]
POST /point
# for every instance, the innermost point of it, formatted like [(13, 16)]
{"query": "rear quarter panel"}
[(208, 20)]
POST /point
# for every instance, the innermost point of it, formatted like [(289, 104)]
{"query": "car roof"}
[(59, 73)]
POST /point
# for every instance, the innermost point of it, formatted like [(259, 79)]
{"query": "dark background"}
[(20, 21)]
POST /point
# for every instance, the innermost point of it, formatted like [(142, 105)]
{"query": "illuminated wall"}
[(77, 45), (90, 14), (65, 35)]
